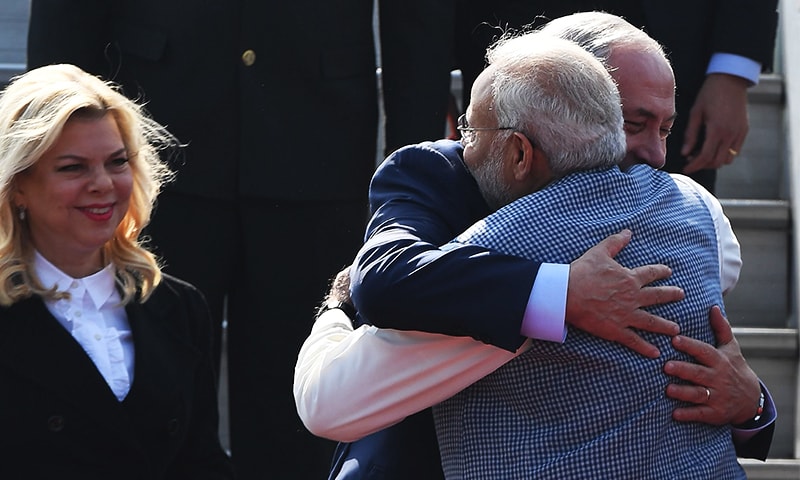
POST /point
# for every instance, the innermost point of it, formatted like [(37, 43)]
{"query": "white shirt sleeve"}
[(730, 256), (388, 374)]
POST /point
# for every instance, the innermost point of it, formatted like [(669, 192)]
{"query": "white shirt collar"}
[(99, 286)]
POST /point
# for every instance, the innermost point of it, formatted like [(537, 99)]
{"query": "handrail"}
[(790, 43)]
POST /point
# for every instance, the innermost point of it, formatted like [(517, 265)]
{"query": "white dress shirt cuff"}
[(547, 304)]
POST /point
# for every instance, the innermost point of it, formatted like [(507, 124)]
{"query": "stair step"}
[(761, 298), (13, 34), (770, 214), (759, 171), (768, 342), (772, 353), (772, 469)]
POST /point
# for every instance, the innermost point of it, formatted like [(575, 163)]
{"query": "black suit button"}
[(173, 426), (55, 423)]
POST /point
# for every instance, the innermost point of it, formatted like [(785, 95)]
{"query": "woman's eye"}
[(72, 167)]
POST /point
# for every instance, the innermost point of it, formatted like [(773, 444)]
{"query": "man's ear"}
[(524, 154), (531, 166)]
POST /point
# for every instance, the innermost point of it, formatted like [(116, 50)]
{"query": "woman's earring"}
[(22, 213)]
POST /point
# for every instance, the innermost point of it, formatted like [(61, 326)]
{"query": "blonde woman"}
[(105, 370)]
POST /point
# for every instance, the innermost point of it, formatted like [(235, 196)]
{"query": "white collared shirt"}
[(96, 320)]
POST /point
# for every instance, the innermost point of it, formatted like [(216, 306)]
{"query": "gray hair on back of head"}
[(562, 98)]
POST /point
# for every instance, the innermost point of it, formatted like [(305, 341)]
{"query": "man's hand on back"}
[(605, 299), (723, 387)]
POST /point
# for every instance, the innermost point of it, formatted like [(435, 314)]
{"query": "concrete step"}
[(773, 355), (772, 469), (13, 35), (761, 298), (759, 171)]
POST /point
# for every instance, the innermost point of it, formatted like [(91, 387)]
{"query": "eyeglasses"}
[(468, 133)]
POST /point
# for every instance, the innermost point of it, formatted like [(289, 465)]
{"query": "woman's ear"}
[(17, 194)]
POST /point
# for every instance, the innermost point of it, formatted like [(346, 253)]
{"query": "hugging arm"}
[(421, 198)]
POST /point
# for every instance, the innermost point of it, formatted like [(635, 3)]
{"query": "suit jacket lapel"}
[(34, 345), (164, 358)]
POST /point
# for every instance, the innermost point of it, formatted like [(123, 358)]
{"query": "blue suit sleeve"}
[(759, 444), (422, 197)]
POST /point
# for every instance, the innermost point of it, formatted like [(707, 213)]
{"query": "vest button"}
[(248, 58)]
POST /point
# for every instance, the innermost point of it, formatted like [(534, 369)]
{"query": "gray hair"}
[(599, 33), (562, 98), (596, 32)]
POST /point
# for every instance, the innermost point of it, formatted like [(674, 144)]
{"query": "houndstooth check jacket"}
[(589, 408)]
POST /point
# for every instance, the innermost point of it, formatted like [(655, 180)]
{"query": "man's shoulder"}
[(439, 152), (427, 180), (427, 162)]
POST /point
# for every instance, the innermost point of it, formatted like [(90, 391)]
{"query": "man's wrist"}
[(753, 422), (345, 307)]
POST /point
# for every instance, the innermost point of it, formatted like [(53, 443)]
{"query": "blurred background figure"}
[(717, 49), (416, 38)]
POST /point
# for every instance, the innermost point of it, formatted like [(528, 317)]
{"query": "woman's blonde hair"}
[(33, 111)]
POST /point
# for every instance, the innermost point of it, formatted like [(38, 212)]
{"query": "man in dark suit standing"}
[(277, 104), (717, 49), (416, 60)]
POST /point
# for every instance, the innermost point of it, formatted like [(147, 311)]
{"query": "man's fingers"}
[(690, 372), (701, 410), (702, 352), (613, 244), (646, 321), (722, 329), (636, 343), (649, 296), (647, 274), (687, 393), (698, 412)]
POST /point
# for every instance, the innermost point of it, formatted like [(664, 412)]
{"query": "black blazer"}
[(61, 420), (299, 123)]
